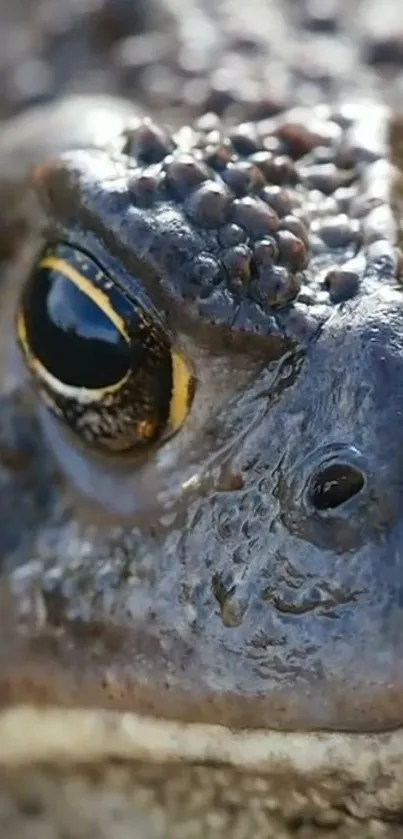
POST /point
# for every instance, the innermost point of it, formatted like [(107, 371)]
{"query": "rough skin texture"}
[(284, 310), (231, 596), (195, 802)]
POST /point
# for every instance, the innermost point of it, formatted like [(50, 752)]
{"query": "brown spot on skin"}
[(292, 250), (243, 177), (300, 139), (342, 284), (278, 198), (275, 285), (147, 142), (281, 171), (185, 173), (266, 251), (210, 205), (296, 226), (144, 187), (230, 482), (254, 216), (231, 235)]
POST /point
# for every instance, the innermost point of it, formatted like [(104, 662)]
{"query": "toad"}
[(200, 431)]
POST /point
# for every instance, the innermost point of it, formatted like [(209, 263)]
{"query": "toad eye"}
[(101, 361), (334, 485)]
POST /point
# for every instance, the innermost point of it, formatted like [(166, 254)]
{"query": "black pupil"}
[(335, 485), (70, 335)]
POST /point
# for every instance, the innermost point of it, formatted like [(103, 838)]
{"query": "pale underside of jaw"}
[(368, 765)]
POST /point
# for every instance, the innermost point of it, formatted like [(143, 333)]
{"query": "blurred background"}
[(220, 54), (48, 47)]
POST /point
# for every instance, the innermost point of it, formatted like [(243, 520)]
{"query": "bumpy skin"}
[(272, 253), (256, 591)]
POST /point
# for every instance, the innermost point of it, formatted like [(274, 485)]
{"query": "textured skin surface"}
[(271, 251), (240, 587), (196, 802), (209, 811)]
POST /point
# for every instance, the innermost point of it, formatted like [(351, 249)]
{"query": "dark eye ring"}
[(335, 484), (102, 362)]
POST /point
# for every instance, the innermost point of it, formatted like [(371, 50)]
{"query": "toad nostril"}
[(335, 484)]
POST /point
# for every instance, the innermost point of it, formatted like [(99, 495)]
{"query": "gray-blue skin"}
[(226, 596), (282, 393)]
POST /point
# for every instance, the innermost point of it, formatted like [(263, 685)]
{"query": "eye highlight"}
[(334, 485), (101, 362)]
